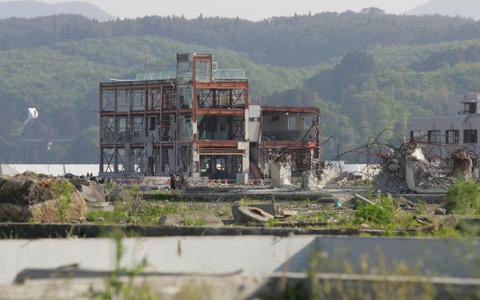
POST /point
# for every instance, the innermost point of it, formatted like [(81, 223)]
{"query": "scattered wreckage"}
[(413, 168), (38, 198)]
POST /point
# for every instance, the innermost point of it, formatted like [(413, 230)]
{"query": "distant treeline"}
[(301, 40)]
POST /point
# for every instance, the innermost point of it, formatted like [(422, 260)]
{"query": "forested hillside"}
[(366, 71)]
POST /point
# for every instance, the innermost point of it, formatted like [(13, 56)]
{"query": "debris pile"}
[(405, 169), (463, 163), (37, 198)]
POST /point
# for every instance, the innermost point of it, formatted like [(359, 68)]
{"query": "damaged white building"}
[(458, 129)]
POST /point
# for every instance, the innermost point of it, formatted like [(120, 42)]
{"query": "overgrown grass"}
[(369, 278), (382, 213), (319, 217), (386, 214), (63, 193), (138, 212), (463, 197)]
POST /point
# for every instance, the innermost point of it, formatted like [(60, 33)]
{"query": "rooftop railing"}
[(216, 74)]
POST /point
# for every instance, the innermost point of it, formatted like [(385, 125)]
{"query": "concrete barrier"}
[(451, 262)]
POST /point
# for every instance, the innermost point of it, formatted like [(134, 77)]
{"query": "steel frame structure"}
[(196, 123), (151, 127)]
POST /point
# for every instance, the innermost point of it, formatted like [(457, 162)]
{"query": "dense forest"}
[(367, 71)]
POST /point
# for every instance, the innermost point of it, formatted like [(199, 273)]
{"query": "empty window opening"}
[(470, 136)]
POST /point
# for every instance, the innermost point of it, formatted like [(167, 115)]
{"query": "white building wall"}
[(254, 123), (457, 119)]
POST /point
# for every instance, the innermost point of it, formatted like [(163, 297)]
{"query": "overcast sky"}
[(245, 9)]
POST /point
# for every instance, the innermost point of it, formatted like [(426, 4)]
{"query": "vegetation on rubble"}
[(463, 197), (382, 213), (387, 215), (63, 192)]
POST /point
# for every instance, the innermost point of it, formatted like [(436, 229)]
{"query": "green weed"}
[(109, 184), (421, 207), (463, 197), (380, 214), (191, 222), (272, 222), (63, 192), (369, 278), (117, 287)]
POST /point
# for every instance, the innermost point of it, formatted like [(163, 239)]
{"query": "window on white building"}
[(435, 136), (292, 123), (470, 136), (417, 134), (452, 136)]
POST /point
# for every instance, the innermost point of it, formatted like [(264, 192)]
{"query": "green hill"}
[(366, 71)]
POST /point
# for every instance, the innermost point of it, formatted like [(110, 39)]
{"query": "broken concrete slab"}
[(118, 195), (92, 192), (281, 174), (272, 208), (247, 214), (311, 181)]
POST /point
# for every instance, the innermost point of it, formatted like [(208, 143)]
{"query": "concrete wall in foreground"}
[(261, 255), (251, 254)]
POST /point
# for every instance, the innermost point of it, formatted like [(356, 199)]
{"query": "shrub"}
[(63, 193), (463, 197), (380, 214)]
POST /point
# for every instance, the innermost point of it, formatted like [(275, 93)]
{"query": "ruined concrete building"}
[(199, 121)]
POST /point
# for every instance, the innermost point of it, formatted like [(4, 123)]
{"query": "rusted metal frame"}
[(198, 59), (217, 144), (119, 159), (224, 85), (238, 163), (238, 98), (137, 159), (145, 110), (110, 100), (261, 146), (108, 158), (220, 112), (137, 102), (156, 97), (293, 144), (165, 125), (202, 150), (292, 109), (184, 158), (318, 137), (171, 97), (137, 126), (221, 153), (238, 128), (204, 98), (247, 95), (123, 114), (137, 83)]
